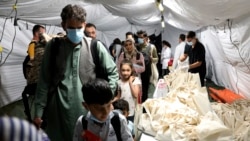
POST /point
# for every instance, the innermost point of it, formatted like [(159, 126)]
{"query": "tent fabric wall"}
[(113, 18), (15, 42), (228, 60)]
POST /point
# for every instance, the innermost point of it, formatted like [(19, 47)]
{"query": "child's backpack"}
[(115, 121)]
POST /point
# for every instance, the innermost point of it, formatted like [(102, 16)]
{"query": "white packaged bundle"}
[(184, 114)]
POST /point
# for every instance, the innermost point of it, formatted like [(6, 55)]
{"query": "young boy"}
[(123, 107), (98, 124)]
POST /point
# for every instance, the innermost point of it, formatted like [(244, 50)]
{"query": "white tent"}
[(222, 26)]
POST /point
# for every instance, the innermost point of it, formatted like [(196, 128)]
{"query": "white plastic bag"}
[(161, 89)]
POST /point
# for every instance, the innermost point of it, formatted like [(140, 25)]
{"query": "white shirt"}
[(178, 52), (127, 95), (106, 132)]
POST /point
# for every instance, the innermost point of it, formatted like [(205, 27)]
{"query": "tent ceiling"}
[(186, 15)]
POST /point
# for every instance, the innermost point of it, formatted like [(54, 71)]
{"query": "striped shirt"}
[(15, 129)]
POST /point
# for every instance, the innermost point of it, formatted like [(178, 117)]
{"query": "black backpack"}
[(115, 121), (100, 72), (147, 59), (25, 64)]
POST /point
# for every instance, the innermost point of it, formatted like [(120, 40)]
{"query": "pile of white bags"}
[(235, 116), (184, 114)]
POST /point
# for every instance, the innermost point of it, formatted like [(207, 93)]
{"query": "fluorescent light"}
[(1, 49), (162, 24), (162, 21), (160, 7)]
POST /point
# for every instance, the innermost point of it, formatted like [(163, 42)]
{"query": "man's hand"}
[(151, 58), (180, 64), (38, 122), (138, 62), (184, 68), (131, 79)]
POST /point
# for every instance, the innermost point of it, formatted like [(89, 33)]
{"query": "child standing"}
[(129, 87), (122, 106), (98, 124)]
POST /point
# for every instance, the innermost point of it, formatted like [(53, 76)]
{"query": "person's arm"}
[(31, 50), (195, 65), (162, 55), (121, 57), (109, 65), (42, 87), (183, 57), (140, 64), (176, 57), (154, 56), (114, 51), (185, 54), (169, 53), (135, 88)]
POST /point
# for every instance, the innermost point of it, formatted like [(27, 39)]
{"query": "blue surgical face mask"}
[(75, 35), (190, 43), (95, 119), (140, 41)]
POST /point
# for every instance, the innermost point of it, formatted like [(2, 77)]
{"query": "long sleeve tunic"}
[(65, 105)]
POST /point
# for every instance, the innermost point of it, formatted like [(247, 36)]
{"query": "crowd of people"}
[(73, 103)]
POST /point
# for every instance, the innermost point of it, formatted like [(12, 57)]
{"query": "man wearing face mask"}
[(196, 53), (150, 76), (63, 73)]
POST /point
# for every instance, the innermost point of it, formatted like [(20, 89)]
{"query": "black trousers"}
[(165, 72), (145, 77), (30, 89), (202, 77)]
